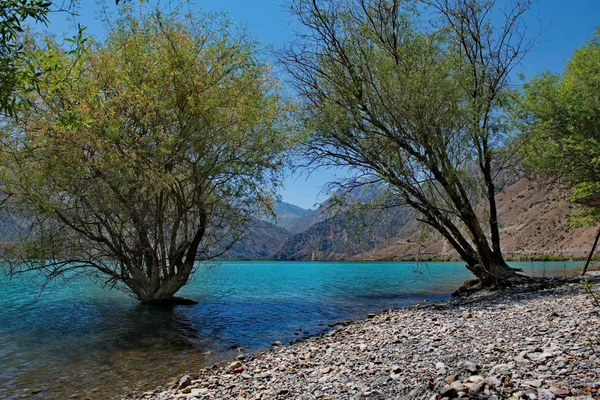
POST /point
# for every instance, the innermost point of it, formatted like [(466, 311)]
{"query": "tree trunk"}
[(494, 273), (587, 264), (164, 293), (164, 277), (485, 263)]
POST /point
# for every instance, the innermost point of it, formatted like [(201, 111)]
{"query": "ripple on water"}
[(81, 339)]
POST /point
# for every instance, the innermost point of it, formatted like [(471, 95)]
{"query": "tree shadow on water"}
[(145, 327)]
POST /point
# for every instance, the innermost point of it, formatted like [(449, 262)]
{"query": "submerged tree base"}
[(475, 284), (173, 301)]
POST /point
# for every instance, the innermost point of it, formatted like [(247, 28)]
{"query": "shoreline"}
[(530, 342)]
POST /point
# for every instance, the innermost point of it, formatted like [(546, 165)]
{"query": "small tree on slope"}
[(560, 116)]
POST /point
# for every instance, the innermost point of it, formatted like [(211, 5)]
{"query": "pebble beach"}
[(536, 341)]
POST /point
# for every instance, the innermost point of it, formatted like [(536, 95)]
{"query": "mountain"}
[(534, 223), (11, 227), (343, 236), (262, 240), (287, 210), (533, 220), (293, 218), (347, 233)]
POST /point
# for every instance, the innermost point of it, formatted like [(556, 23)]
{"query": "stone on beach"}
[(184, 382), (520, 343)]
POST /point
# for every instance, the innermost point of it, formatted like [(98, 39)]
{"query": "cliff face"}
[(535, 221)]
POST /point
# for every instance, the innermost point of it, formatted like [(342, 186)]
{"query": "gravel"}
[(536, 341)]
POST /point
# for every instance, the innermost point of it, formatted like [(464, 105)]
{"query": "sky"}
[(562, 25)]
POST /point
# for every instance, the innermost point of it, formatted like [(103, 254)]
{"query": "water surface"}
[(79, 339)]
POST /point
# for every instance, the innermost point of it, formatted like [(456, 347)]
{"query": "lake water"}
[(79, 339)]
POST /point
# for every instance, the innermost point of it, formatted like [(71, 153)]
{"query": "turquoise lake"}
[(82, 340)]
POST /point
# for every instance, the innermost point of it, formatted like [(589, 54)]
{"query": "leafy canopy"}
[(562, 116), (414, 102), (15, 73), (146, 152)]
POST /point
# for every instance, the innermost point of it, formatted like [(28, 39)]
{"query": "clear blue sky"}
[(564, 25)]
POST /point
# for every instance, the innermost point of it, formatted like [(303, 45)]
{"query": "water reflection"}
[(144, 327), (60, 349)]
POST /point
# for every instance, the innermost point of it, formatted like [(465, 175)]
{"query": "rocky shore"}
[(536, 341)]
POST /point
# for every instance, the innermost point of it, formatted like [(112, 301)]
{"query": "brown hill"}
[(534, 222)]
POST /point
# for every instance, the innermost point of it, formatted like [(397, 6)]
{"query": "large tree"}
[(411, 93), (145, 153)]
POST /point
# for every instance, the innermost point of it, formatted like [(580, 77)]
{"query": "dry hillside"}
[(533, 222)]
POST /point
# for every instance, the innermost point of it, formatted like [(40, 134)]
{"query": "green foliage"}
[(415, 103), (16, 73), (13, 72), (561, 114), (12, 16), (146, 152), (548, 257), (594, 258)]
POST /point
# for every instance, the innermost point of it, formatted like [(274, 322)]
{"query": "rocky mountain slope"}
[(261, 241), (344, 235), (534, 222), (293, 218), (11, 227), (533, 218)]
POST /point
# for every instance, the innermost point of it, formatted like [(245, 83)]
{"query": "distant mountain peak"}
[(283, 209)]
